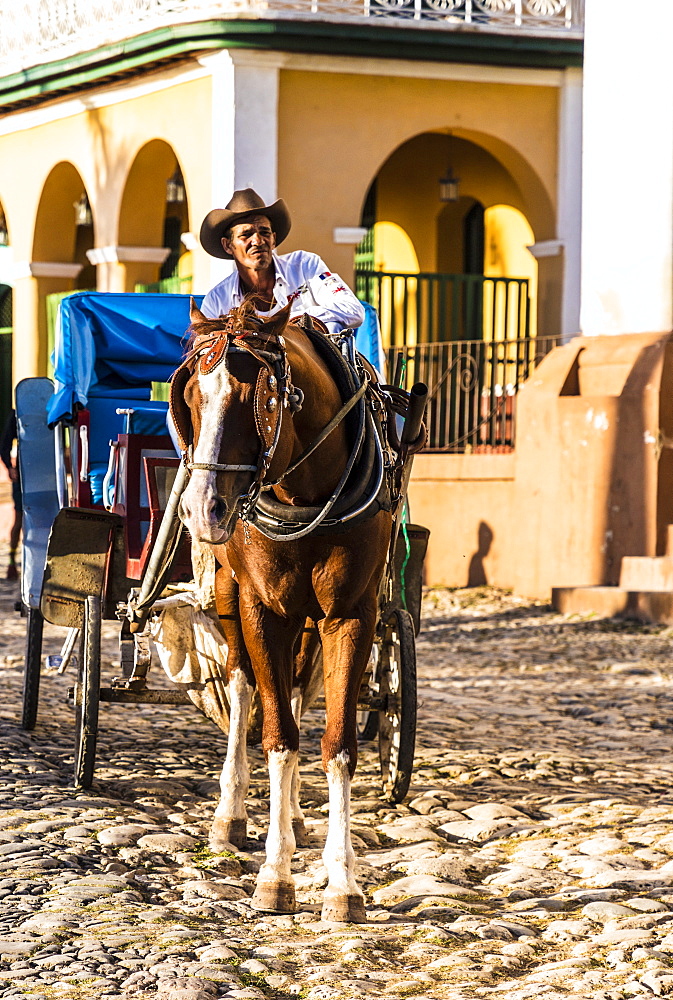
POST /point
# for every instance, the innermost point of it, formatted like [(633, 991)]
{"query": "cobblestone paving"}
[(533, 857)]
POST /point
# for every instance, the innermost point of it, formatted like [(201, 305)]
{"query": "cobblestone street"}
[(533, 856)]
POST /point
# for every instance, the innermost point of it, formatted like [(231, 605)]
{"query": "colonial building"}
[(429, 150)]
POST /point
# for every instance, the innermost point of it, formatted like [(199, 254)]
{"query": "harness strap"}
[(218, 467), (325, 432), (302, 532)]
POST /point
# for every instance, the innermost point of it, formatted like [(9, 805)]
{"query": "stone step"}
[(646, 573), (610, 602)]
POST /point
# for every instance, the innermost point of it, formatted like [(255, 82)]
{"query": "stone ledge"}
[(610, 602)]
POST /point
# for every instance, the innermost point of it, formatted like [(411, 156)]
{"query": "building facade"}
[(429, 150)]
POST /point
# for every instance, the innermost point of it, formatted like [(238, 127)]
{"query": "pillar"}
[(244, 132), (119, 268)]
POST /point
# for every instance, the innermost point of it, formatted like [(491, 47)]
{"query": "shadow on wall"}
[(476, 576)]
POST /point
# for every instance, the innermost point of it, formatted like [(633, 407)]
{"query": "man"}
[(247, 231), (6, 445)]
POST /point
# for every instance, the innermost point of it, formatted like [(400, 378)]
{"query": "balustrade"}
[(34, 31)]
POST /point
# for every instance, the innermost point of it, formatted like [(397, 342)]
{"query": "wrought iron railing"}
[(36, 31), (473, 388), (429, 307)]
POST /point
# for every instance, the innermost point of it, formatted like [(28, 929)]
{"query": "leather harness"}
[(274, 392)]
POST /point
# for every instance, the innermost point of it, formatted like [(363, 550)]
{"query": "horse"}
[(258, 408)]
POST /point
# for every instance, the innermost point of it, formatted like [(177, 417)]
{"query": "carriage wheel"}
[(368, 719), (86, 713), (396, 674), (31, 674)]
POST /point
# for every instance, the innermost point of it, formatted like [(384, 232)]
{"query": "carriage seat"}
[(104, 424)]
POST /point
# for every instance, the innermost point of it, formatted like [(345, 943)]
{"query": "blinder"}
[(272, 389)]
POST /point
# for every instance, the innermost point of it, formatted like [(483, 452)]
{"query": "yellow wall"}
[(336, 132), (96, 150)]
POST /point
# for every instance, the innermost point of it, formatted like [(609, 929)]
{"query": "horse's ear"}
[(276, 324), (195, 314)]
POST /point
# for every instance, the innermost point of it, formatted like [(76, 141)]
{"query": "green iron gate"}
[(468, 338)]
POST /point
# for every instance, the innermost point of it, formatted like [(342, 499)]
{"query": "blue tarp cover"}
[(368, 340), (115, 344)]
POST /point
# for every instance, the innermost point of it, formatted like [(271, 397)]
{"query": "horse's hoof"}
[(344, 910), (301, 837), (274, 897), (228, 833)]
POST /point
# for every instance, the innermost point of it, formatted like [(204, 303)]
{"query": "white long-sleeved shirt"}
[(303, 279)]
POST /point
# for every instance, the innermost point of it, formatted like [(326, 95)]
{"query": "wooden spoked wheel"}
[(396, 682), (368, 718)]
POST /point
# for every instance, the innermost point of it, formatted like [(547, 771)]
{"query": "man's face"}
[(251, 243)]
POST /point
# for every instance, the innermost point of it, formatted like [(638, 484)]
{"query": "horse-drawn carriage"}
[(254, 405)]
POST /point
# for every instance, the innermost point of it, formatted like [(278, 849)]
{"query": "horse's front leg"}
[(346, 647), (231, 820), (270, 641), (306, 664)]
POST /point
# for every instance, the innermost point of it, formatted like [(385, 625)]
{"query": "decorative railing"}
[(37, 31), (428, 307), (473, 388)]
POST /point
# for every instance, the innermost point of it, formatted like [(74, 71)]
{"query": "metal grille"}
[(473, 387), (429, 307)]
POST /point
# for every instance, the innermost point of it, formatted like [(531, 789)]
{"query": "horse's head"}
[(227, 404)]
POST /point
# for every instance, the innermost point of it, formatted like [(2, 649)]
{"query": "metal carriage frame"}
[(102, 535)]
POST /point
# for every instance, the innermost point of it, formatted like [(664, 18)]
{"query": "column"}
[(244, 133), (627, 198), (569, 227)]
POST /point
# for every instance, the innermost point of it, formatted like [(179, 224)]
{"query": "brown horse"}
[(250, 400)]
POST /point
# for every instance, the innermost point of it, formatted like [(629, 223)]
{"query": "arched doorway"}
[(463, 317), (155, 214), (64, 233)]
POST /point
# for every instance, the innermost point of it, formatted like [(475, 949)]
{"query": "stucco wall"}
[(337, 130), (467, 502)]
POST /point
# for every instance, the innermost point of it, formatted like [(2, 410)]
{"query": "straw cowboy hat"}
[(243, 204)]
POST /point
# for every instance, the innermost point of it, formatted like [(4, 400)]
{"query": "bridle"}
[(274, 392)]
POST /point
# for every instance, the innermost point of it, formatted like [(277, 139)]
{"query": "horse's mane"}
[(240, 318)]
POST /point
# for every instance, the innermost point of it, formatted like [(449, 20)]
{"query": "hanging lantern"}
[(448, 186), (83, 216), (4, 234), (175, 188)]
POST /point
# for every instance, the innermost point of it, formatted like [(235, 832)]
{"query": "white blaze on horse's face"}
[(207, 514)]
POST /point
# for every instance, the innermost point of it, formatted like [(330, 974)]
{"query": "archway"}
[(64, 233), (454, 283), (155, 214), (447, 238)]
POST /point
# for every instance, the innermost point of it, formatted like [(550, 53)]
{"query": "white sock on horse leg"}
[(297, 814), (235, 777), (280, 842), (339, 856)]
